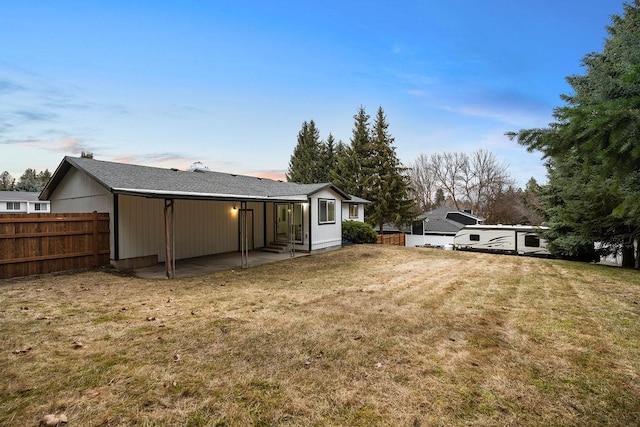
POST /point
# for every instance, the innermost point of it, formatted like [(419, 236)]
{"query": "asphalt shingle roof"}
[(18, 196), (150, 181), (436, 221)]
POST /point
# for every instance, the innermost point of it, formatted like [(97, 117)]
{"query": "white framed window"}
[(326, 211), (13, 206), (353, 210), (40, 207)]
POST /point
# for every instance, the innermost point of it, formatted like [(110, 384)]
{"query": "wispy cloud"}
[(511, 115), (61, 145), (418, 93), (183, 111), (414, 79), (275, 174), (166, 160), (7, 86), (35, 116)]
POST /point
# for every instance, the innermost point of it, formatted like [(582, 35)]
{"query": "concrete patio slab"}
[(199, 266)]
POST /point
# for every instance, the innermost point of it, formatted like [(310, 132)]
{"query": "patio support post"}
[(292, 231), (244, 238), (169, 238)]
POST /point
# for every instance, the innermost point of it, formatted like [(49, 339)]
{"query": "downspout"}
[(169, 239), (116, 229), (292, 231), (173, 237), (310, 223), (244, 238), (264, 223)]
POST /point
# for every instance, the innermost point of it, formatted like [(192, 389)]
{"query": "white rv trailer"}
[(509, 239)]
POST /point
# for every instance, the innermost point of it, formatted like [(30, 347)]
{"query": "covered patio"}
[(208, 264)]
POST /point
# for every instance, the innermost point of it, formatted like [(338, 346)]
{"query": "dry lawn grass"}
[(367, 335)]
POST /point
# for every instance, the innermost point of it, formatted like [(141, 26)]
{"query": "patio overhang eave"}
[(192, 195)]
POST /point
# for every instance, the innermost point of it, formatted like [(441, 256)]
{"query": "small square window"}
[(474, 237), (353, 210), (326, 211)]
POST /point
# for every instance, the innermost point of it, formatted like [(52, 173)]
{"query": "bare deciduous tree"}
[(476, 181), (7, 183), (448, 172), (490, 179), (423, 183)]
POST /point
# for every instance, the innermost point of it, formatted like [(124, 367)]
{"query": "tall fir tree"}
[(385, 180), (342, 172), (328, 156), (598, 130), (305, 162), (43, 178), (28, 181), (350, 165)]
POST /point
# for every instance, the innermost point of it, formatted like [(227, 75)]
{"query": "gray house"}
[(439, 226), (161, 214)]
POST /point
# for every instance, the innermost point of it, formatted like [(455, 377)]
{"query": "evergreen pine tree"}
[(328, 159), (360, 153), (342, 172), (43, 177), (386, 182), (598, 132), (304, 165), (28, 181)]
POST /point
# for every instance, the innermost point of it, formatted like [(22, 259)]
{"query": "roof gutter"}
[(204, 196)]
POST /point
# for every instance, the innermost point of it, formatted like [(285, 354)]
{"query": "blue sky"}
[(229, 83)]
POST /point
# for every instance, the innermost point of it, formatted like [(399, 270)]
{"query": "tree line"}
[(475, 182), (367, 167), (30, 180)]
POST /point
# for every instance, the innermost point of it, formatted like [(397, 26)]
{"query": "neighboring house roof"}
[(356, 199), (441, 225), (18, 196), (445, 220), (122, 178)]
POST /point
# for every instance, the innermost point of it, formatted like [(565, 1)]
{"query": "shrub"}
[(358, 232)]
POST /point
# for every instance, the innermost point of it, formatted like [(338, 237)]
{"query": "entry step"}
[(276, 247)]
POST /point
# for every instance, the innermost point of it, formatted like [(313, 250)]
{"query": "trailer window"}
[(474, 237), (532, 241)]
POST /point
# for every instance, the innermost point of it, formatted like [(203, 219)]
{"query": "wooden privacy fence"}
[(397, 239), (46, 242)]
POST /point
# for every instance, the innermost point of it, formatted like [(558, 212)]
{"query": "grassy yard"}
[(367, 335)]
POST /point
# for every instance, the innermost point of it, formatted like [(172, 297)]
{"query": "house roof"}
[(446, 220), (444, 211), (441, 225), (356, 199), (18, 196), (122, 178)]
